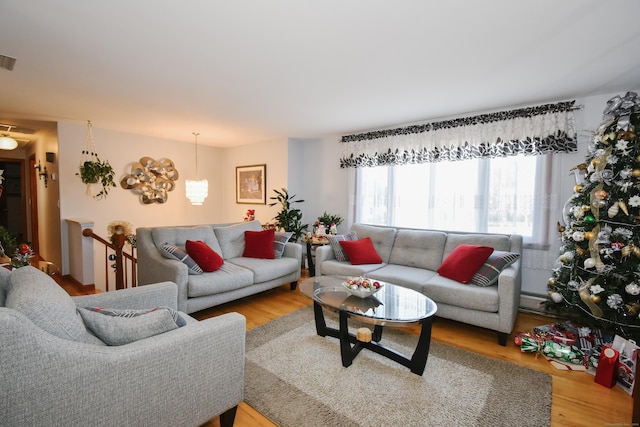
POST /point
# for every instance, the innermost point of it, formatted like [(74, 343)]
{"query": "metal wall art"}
[(151, 179)]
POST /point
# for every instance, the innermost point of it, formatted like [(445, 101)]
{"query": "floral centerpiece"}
[(362, 286), (250, 215), (328, 223), (122, 227), (23, 255)]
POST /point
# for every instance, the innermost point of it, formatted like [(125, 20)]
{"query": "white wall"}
[(122, 150), (325, 184), (48, 212), (275, 155)]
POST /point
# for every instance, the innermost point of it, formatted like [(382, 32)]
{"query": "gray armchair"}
[(183, 377)]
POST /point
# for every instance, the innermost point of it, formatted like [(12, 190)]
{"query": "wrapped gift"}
[(606, 371), (626, 365), (554, 350), (563, 333), (589, 338), (519, 335)]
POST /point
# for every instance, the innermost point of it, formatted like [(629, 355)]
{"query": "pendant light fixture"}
[(6, 142), (197, 190)]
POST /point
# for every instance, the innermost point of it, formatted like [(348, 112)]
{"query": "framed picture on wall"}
[(251, 184)]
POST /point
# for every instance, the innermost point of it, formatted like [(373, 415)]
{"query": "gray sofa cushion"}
[(231, 238), (345, 268), (382, 237), (448, 291), (38, 297), (179, 235), (227, 278), (416, 248), (267, 269), (409, 277), (120, 327)]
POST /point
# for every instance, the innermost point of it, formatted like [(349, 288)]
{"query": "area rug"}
[(295, 378)]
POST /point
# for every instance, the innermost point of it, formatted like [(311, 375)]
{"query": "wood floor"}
[(577, 400)]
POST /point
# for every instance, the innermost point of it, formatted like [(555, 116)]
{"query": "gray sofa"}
[(55, 372), (238, 277), (411, 258)]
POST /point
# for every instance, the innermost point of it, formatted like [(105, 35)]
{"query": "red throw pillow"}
[(464, 262), (203, 255), (259, 244), (361, 251)]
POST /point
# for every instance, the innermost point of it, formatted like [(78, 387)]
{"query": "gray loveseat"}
[(55, 372), (411, 258), (238, 277)]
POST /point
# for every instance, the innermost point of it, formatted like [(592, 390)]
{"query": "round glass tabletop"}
[(392, 303)]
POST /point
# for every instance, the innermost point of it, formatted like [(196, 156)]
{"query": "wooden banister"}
[(121, 257)]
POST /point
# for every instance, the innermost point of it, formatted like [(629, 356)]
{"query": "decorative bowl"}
[(361, 286)]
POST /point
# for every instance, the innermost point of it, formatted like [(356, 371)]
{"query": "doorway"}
[(13, 199)]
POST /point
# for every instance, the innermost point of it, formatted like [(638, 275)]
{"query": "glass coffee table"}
[(390, 306)]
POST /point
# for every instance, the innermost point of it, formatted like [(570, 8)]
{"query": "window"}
[(497, 195)]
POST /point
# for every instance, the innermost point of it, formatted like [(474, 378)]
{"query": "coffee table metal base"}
[(348, 352)]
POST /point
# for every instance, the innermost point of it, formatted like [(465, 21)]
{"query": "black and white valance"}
[(537, 130)]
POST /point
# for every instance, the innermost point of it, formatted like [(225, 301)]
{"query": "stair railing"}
[(125, 264)]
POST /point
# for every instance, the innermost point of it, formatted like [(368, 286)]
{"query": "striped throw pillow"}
[(334, 241), (493, 266), (174, 252)]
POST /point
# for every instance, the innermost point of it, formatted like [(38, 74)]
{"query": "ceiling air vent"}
[(7, 62)]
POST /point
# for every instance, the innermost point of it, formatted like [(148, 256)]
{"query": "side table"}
[(312, 244)]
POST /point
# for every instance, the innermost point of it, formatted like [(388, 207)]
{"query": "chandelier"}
[(197, 190)]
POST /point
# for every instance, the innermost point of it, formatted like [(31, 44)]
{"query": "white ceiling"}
[(241, 71)]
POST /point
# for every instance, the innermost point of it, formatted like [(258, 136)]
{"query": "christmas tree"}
[(597, 281)]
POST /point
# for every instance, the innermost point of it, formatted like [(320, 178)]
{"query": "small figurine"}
[(333, 229)]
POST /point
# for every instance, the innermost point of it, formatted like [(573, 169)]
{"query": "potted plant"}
[(8, 244), (329, 220), (289, 218), (97, 172)]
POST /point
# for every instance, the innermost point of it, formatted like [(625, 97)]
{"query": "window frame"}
[(541, 209)]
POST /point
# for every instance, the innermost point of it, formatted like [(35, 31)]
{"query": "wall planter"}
[(93, 171), (97, 172)]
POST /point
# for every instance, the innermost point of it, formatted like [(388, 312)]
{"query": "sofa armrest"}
[(323, 253), (183, 377), (163, 294), (155, 268), (293, 250), (509, 287)]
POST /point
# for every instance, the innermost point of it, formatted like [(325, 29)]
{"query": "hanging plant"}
[(93, 170), (97, 172)]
